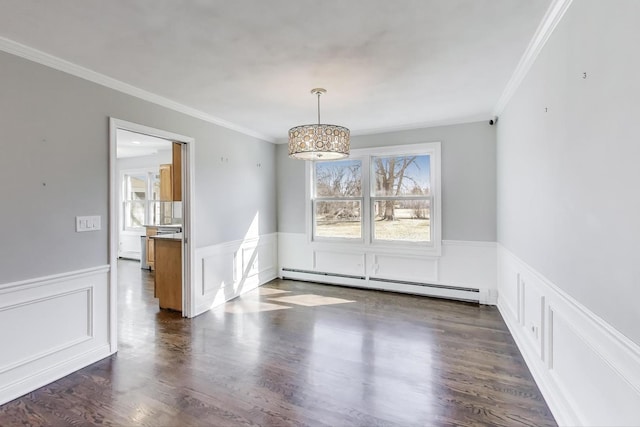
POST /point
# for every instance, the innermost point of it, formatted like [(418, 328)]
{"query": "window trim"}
[(147, 202), (433, 248), (314, 200)]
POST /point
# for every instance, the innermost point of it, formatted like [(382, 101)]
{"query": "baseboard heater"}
[(320, 273), (428, 285), (381, 280)]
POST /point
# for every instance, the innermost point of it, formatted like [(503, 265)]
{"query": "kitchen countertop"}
[(168, 236), (163, 225)]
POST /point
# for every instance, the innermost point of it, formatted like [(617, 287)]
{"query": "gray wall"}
[(468, 179), (54, 166), (568, 178)]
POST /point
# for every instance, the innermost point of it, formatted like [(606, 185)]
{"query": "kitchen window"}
[(140, 200), (135, 200)]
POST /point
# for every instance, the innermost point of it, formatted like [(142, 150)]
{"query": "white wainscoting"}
[(463, 264), (51, 326), (588, 372), (227, 270), (129, 245)]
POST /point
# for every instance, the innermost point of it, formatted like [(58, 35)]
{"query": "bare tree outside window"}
[(401, 198), (385, 197), (338, 199)]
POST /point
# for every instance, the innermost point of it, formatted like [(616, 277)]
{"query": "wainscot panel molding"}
[(466, 270), (52, 326), (228, 270), (588, 372)]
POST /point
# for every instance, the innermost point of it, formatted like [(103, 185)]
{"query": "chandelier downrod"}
[(318, 107), (318, 91)]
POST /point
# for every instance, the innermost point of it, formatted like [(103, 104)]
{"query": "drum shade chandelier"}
[(318, 142)]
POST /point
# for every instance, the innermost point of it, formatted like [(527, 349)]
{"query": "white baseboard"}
[(228, 270), (438, 291), (588, 372), (465, 269), (53, 326), (53, 373)]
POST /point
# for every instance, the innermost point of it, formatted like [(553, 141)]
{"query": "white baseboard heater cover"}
[(321, 273), (474, 297)]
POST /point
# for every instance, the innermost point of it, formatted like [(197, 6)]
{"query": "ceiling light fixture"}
[(318, 142)]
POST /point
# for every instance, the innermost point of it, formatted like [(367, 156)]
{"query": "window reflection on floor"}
[(268, 299), (310, 300)]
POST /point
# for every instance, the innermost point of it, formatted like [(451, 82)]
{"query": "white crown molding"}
[(59, 64), (554, 14), (422, 125), (412, 126)]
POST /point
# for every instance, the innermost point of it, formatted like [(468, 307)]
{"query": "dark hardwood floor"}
[(295, 354)]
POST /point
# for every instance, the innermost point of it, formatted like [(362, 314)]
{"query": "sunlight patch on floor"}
[(249, 306), (310, 300)]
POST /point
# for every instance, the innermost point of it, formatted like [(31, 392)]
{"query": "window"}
[(141, 200), (401, 198), (337, 207), (384, 196), (135, 200)]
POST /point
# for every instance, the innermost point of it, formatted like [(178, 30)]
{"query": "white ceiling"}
[(386, 64), (133, 144)]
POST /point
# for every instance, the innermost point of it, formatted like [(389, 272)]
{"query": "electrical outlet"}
[(534, 330)]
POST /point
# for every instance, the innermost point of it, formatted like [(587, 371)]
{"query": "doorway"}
[(147, 200), (144, 202)]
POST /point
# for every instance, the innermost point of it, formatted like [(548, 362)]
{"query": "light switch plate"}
[(88, 223)]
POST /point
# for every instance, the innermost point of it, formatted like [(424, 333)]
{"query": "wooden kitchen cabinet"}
[(176, 177), (168, 277), (171, 177), (150, 244), (166, 183), (151, 231)]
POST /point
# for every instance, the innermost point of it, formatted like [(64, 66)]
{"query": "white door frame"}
[(188, 250)]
